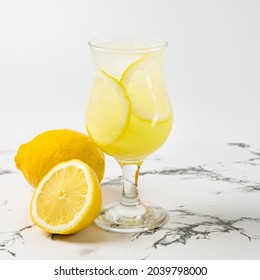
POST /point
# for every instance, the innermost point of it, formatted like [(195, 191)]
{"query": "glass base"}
[(123, 218)]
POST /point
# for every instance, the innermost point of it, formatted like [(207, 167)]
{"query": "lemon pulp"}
[(108, 109), (67, 199)]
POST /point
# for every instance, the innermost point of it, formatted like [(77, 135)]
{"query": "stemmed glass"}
[(129, 116)]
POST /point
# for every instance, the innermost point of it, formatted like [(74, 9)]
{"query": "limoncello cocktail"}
[(129, 116)]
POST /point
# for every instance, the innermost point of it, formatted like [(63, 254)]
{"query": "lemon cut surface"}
[(68, 198), (110, 99), (144, 85)]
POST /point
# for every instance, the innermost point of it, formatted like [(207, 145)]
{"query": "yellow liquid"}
[(130, 118), (140, 139)]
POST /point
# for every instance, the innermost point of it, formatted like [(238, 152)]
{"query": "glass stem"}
[(130, 195)]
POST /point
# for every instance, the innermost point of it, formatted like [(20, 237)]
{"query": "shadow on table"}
[(94, 234)]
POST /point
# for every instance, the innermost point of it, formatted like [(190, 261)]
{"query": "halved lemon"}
[(108, 109), (68, 198), (144, 85)]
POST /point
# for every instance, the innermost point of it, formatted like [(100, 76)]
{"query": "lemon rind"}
[(71, 226), (129, 111), (123, 80)]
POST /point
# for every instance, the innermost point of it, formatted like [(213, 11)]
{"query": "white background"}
[(212, 69), (217, 269)]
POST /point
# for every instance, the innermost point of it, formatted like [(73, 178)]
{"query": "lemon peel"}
[(68, 198)]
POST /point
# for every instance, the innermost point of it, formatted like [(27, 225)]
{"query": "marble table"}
[(211, 193)]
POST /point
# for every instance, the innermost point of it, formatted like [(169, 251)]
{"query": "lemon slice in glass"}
[(108, 109), (68, 198), (143, 82)]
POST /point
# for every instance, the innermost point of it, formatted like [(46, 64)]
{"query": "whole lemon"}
[(52, 147)]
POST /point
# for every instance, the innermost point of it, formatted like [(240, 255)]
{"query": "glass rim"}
[(102, 44)]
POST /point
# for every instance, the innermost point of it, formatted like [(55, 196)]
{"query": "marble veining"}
[(211, 193), (195, 172), (8, 240), (184, 225), (6, 171), (251, 160)]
